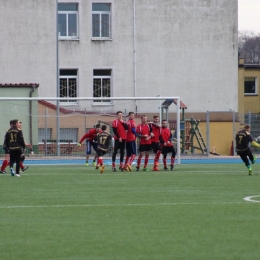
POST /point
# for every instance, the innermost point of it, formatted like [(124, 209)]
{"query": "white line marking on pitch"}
[(249, 198), (120, 205)]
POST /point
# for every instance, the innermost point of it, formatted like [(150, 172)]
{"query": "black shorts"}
[(145, 147), (168, 149), (101, 153), (156, 147), (119, 145), (6, 150)]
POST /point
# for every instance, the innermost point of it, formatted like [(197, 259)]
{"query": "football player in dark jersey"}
[(103, 140), (243, 138)]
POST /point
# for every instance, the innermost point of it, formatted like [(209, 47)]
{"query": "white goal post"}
[(54, 125)]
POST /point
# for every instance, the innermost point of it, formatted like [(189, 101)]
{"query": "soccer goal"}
[(54, 126)]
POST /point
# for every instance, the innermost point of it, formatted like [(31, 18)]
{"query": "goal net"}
[(55, 126)]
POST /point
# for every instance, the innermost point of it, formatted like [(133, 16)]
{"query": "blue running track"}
[(214, 160)]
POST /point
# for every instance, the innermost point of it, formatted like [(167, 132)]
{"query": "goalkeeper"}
[(89, 136), (243, 138)]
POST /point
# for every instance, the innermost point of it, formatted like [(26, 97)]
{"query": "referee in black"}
[(15, 144)]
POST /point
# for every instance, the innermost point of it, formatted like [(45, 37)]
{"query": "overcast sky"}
[(249, 15)]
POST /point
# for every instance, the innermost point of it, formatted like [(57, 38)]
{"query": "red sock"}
[(121, 165), (146, 161), (113, 164), (164, 162), (126, 160), (4, 165), (21, 165), (172, 160), (139, 161), (157, 156), (100, 161), (131, 159)]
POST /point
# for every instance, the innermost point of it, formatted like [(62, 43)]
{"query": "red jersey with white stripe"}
[(130, 135), (144, 129), (90, 135), (121, 131), (156, 131), (166, 136)]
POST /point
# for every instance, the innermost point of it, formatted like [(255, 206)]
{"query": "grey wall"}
[(183, 48)]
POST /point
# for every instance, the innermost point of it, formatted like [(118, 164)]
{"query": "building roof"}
[(242, 64), (19, 85), (168, 102)]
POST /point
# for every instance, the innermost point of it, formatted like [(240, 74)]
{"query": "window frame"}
[(67, 13), (102, 102), (256, 86), (40, 134), (69, 133), (100, 13), (66, 101)]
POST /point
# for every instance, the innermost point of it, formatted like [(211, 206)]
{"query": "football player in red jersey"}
[(90, 136), (144, 132), (130, 142), (166, 143), (156, 131), (119, 128)]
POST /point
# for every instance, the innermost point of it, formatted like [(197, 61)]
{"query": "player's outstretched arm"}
[(255, 144), (28, 145)]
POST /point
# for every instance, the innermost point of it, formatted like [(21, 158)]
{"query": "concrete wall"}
[(27, 49), (21, 110), (183, 48), (193, 52)]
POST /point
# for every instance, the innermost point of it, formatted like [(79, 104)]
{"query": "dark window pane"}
[(97, 89), (62, 24), (104, 25), (63, 88), (106, 89), (72, 88), (72, 24), (102, 72), (67, 7), (250, 86), (68, 72), (100, 7), (95, 25)]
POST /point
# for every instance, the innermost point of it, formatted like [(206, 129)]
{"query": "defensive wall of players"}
[(221, 130)]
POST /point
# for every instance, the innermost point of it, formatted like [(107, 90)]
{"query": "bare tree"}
[(249, 46)]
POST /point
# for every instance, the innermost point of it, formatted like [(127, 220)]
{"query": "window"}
[(69, 134), (101, 25), (44, 134), (68, 85), (68, 21), (101, 84), (250, 86)]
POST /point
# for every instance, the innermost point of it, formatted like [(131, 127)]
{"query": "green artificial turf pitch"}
[(74, 212)]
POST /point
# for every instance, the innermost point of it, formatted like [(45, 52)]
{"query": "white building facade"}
[(124, 48)]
